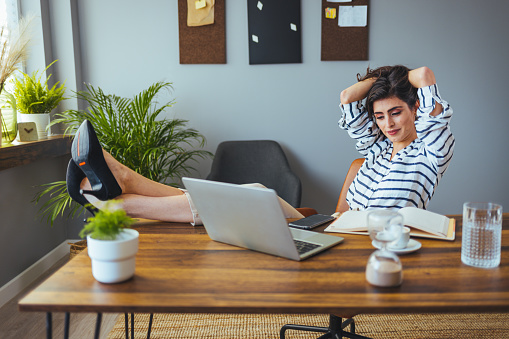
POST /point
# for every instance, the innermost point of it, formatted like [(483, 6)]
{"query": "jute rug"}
[(256, 326)]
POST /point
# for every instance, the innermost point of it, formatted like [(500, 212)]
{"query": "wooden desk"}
[(179, 269)]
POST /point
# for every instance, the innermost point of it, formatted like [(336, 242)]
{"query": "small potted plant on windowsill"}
[(112, 245), (35, 100)]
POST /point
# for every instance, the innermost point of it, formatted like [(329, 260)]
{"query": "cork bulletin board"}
[(344, 40), (202, 44)]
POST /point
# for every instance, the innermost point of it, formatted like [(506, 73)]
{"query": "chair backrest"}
[(342, 205), (256, 161)]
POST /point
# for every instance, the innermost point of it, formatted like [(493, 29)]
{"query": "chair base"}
[(334, 331)]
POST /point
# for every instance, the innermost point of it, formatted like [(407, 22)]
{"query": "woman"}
[(93, 176), (403, 134)]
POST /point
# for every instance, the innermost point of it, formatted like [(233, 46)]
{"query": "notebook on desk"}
[(251, 217)]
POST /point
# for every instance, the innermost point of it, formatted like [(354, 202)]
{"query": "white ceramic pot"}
[(41, 122), (113, 261)]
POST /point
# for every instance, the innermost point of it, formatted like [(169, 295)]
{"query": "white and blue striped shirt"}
[(411, 177)]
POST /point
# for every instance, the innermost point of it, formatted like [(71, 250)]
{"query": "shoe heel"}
[(95, 182), (87, 153), (97, 194)]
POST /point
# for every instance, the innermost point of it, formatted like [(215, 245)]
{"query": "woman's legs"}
[(144, 198), (148, 199)]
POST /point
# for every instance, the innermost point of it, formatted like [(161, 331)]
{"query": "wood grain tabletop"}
[(180, 269)]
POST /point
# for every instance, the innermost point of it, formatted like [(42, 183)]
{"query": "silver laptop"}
[(252, 217)]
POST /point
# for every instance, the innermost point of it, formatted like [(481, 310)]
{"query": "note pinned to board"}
[(198, 4), (200, 12), (330, 13), (353, 16)]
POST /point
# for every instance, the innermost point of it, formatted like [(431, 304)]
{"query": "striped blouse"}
[(413, 174)]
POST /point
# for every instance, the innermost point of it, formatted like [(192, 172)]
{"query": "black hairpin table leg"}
[(98, 325), (150, 325), (132, 325), (66, 325), (49, 325)]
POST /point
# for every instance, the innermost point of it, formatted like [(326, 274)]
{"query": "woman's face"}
[(396, 120)]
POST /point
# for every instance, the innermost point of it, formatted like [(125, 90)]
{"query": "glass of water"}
[(482, 234)]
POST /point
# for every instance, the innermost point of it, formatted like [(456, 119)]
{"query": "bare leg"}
[(170, 208), (144, 198), (135, 183), (173, 208)]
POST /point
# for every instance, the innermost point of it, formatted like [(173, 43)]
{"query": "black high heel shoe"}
[(87, 153), (73, 179)]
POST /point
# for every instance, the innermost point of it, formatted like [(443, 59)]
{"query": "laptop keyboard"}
[(303, 247)]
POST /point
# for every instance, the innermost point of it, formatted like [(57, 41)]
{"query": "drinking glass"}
[(482, 234), (384, 267)]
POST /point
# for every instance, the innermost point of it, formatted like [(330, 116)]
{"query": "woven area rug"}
[(264, 326)]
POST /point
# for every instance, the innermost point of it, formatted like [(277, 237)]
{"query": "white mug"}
[(402, 242)]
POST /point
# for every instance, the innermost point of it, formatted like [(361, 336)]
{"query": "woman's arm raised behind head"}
[(421, 77), (424, 77), (357, 91)]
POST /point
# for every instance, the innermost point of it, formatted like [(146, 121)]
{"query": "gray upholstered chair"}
[(256, 161)]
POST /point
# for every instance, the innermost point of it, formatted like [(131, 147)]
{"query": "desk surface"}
[(179, 269)]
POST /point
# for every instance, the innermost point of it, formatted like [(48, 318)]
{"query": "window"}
[(9, 17), (8, 20), (8, 13)]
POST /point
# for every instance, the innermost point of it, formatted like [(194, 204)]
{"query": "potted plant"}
[(133, 131), (8, 117), (112, 245), (35, 100), (14, 45)]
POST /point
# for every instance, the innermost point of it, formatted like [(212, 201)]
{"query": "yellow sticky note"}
[(330, 13), (200, 4)]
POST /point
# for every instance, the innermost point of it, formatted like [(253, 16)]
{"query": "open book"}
[(423, 223)]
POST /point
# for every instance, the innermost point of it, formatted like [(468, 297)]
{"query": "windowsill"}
[(23, 153)]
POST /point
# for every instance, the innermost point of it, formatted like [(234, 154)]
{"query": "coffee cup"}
[(402, 242)]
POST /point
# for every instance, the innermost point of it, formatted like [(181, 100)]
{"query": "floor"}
[(21, 325)]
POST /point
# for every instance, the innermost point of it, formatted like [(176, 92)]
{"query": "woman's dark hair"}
[(390, 81)]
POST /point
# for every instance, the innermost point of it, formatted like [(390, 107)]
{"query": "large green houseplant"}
[(35, 99), (134, 133)]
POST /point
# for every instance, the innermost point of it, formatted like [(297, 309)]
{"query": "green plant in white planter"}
[(35, 100), (112, 245)]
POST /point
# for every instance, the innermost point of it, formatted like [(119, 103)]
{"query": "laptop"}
[(251, 217)]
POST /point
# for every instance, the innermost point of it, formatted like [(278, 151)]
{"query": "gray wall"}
[(123, 46), (127, 45), (25, 239)]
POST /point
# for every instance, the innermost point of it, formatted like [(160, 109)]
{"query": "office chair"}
[(342, 205), (256, 161), (336, 323)]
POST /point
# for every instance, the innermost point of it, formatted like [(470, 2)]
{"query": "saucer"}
[(412, 246)]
